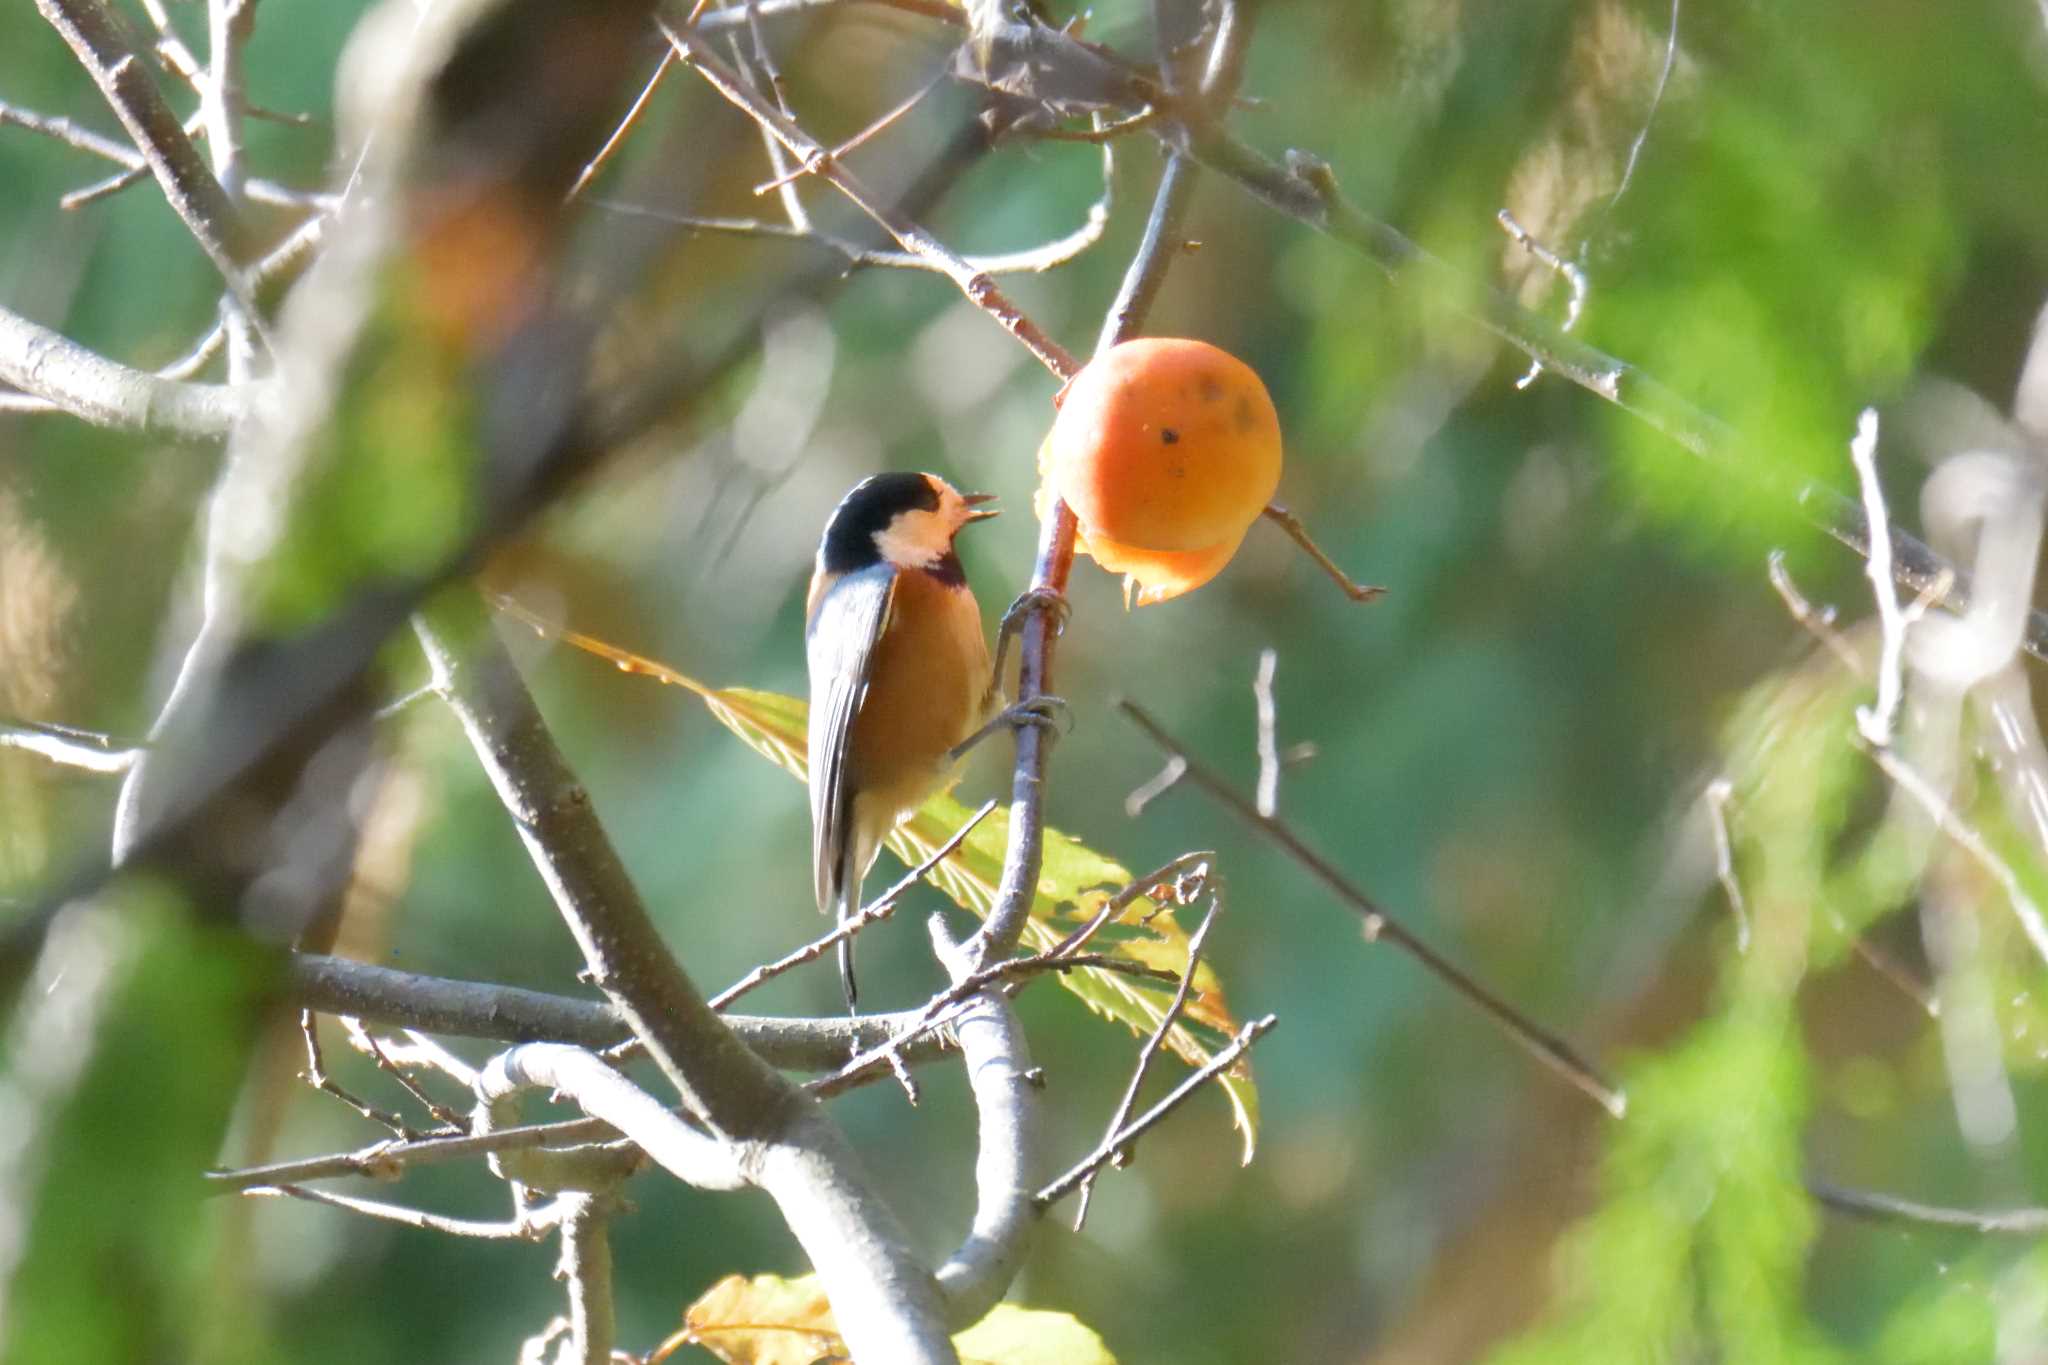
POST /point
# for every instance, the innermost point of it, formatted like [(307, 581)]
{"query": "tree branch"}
[(107, 393), (195, 195), (887, 1304), (474, 1009), (1106, 1151), (1887, 1208), (975, 284), (1010, 1124), (1540, 1042)]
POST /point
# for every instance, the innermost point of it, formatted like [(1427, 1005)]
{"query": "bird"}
[(900, 678)]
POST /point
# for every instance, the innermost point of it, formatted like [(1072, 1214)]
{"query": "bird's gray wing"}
[(839, 647)]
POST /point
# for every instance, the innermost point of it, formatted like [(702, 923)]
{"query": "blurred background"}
[(1784, 213)]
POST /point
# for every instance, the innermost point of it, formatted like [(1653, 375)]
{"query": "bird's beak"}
[(975, 500)]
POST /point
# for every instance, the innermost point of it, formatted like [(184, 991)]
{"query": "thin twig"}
[(364, 1042), (71, 134), (1035, 260), (1719, 792), (785, 179), (1106, 1151), (105, 393), (1268, 802), (85, 750), (626, 126), (1966, 837), (195, 194), (1184, 877), (1152, 1045), (1542, 1044), (1887, 1208), (1298, 533), (976, 285), (934, 1014), (474, 1009), (879, 908), (1818, 621), (1875, 722), (316, 1076), (1556, 264), (1156, 786), (389, 1159), (517, 1229)]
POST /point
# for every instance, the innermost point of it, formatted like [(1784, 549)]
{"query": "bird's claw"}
[(1044, 711), (1031, 601)]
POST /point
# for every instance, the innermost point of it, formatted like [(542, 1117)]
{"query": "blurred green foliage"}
[(1830, 204)]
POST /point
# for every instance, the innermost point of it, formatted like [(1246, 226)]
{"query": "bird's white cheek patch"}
[(914, 540)]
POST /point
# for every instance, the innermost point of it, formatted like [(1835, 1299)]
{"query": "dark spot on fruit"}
[(1246, 418), (1211, 390), (1169, 435)]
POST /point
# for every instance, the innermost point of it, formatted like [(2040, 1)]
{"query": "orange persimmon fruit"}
[(1167, 450)]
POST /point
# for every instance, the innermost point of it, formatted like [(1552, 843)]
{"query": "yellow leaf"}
[(768, 1320)]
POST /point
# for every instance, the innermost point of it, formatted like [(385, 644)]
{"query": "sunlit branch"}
[(817, 159), (1129, 1101), (1106, 1151), (1542, 1044), (106, 393), (1887, 1208)]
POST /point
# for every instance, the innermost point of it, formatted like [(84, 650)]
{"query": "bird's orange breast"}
[(928, 689)]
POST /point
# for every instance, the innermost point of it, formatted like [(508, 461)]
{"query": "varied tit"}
[(900, 673)]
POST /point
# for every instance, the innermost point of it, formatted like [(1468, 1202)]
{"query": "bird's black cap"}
[(849, 543)]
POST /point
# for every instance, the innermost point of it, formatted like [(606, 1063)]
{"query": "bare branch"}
[(195, 195), (1719, 792), (1156, 786), (1154, 1043), (586, 1269), (1010, 1125), (1542, 1044), (626, 125), (1950, 822), (1298, 533), (1034, 260), (389, 1159), (938, 1011), (602, 1091), (767, 1134), (1268, 803), (976, 285), (71, 135), (62, 745), (879, 908), (517, 1229), (723, 1083), (1875, 723), (1106, 1151), (106, 393), (1887, 1208), (472, 1009)]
